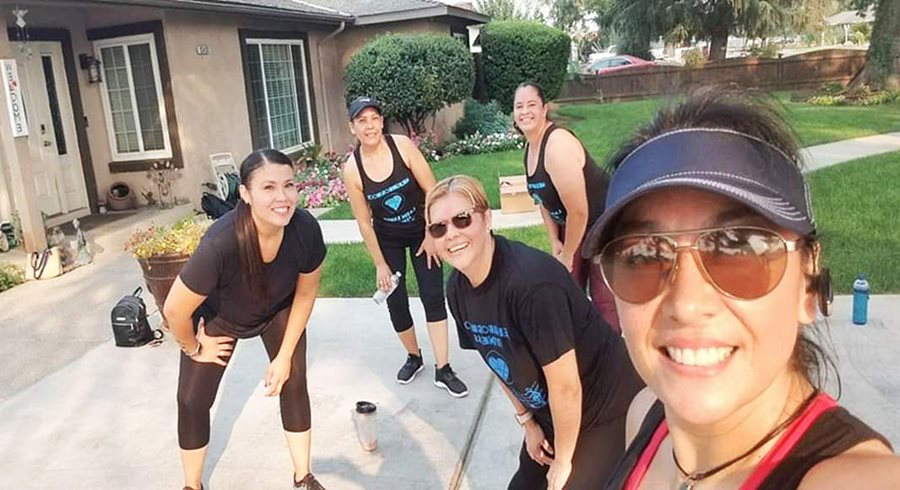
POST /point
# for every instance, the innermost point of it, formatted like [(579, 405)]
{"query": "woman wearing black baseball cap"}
[(709, 244), (387, 178)]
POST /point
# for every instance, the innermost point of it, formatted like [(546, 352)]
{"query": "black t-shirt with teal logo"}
[(397, 203), (526, 314), (214, 271)]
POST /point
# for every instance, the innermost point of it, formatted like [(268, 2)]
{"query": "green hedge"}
[(519, 51), (481, 118), (413, 75)]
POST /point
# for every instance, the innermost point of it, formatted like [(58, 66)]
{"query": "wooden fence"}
[(803, 71)]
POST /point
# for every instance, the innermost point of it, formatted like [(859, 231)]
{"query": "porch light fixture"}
[(92, 65)]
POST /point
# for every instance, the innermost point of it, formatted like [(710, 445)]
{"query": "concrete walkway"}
[(78, 412), (816, 157)]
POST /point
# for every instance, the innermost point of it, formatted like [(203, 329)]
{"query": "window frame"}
[(250, 39), (124, 42)]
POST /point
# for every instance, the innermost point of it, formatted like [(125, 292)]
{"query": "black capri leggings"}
[(596, 453), (198, 383), (431, 281)]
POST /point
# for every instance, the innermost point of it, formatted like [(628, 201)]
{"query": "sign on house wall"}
[(14, 98)]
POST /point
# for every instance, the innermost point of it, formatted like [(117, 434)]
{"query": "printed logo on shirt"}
[(487, 334), (499, 365), (533, 186), (533, 397), (394, 202), (558, 215), (388, 190)]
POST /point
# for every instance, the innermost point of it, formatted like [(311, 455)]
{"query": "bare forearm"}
[(517, 405), (565, 410), (576, 223), (182, 328), (371, 242)]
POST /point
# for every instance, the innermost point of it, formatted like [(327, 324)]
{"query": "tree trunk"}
[(718, 43), (882, 69)]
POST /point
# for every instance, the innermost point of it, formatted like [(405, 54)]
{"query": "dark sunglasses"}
[(460, 221), (743, 262)]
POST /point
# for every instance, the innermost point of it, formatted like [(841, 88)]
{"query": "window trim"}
[(280, 37), (124, 42)]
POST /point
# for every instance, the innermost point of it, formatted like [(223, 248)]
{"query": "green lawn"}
[(602, 127), (855, 210), (856, 207)]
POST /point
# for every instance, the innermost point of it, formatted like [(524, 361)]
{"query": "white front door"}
[(56, 161)]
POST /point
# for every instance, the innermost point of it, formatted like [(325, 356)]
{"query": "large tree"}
[(641, 21), (882, 68)]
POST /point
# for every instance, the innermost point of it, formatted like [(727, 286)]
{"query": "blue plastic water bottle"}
[(860, 300)]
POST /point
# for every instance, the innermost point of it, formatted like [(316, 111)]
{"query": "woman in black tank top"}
[(569, 187), (386, 179), (709, 245)]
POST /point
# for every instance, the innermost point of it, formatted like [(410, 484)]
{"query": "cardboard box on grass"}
[(514, 197)]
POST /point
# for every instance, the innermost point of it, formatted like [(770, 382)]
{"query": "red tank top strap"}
[(786, 443), (643, 463)]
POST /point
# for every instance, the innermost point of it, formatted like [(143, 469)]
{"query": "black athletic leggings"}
[(198, 383), (431, 281), (596, 454)]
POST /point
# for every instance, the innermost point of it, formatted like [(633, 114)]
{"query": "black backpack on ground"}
[(214, 206), (129, 322)]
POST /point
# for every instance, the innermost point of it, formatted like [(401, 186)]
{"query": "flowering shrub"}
[(180, 238), (10, 275), (319, 178), (480, 143), (864, 96), (428, 145)]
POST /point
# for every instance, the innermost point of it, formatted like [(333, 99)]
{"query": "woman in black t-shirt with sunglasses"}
[(565, 371)]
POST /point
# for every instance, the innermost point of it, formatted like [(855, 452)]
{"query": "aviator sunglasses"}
[(743, 262), (461, 221)]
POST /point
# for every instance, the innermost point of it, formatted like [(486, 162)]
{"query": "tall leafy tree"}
[(882, 68)]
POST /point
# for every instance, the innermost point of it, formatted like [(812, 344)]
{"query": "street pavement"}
[(78, 412)]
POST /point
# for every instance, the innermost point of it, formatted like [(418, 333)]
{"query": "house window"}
[(132, 98), (279, 89)]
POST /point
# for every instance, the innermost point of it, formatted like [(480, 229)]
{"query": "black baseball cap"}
[(361, 103), (725, 162)]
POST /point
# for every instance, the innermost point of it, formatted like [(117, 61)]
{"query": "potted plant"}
[(163, 250)]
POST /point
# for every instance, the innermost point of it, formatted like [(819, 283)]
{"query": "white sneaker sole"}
[(441, 384), (411, 378)]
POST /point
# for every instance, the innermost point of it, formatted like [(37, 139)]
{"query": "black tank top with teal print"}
[(397, 202), (544, 193)]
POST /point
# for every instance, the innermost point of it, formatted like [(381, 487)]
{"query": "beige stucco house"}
[(177, 80)]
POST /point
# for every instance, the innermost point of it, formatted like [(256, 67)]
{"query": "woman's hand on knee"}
[(538, 447), (277, 375), (213, 349)]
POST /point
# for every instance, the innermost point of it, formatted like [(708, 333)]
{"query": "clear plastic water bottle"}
[(860, 300), (381, 295), (364, 421)]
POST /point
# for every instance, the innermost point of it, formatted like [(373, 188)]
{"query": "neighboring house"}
[(179, 80)]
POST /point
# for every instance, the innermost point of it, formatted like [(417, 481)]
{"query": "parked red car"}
[(615, 64)]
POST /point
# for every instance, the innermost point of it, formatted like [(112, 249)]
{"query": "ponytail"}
[(248, 249)]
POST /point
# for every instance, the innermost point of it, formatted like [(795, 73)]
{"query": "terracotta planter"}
[(159, 274)]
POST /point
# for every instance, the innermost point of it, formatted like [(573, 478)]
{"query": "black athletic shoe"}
[(410, 368), (446, 378)]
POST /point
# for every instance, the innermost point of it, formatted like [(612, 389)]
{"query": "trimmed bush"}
[(481, 118), (413, 75), (519, 51), (694, 58)]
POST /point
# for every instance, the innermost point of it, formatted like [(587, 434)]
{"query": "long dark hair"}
[(252, 265), (760, 116)]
